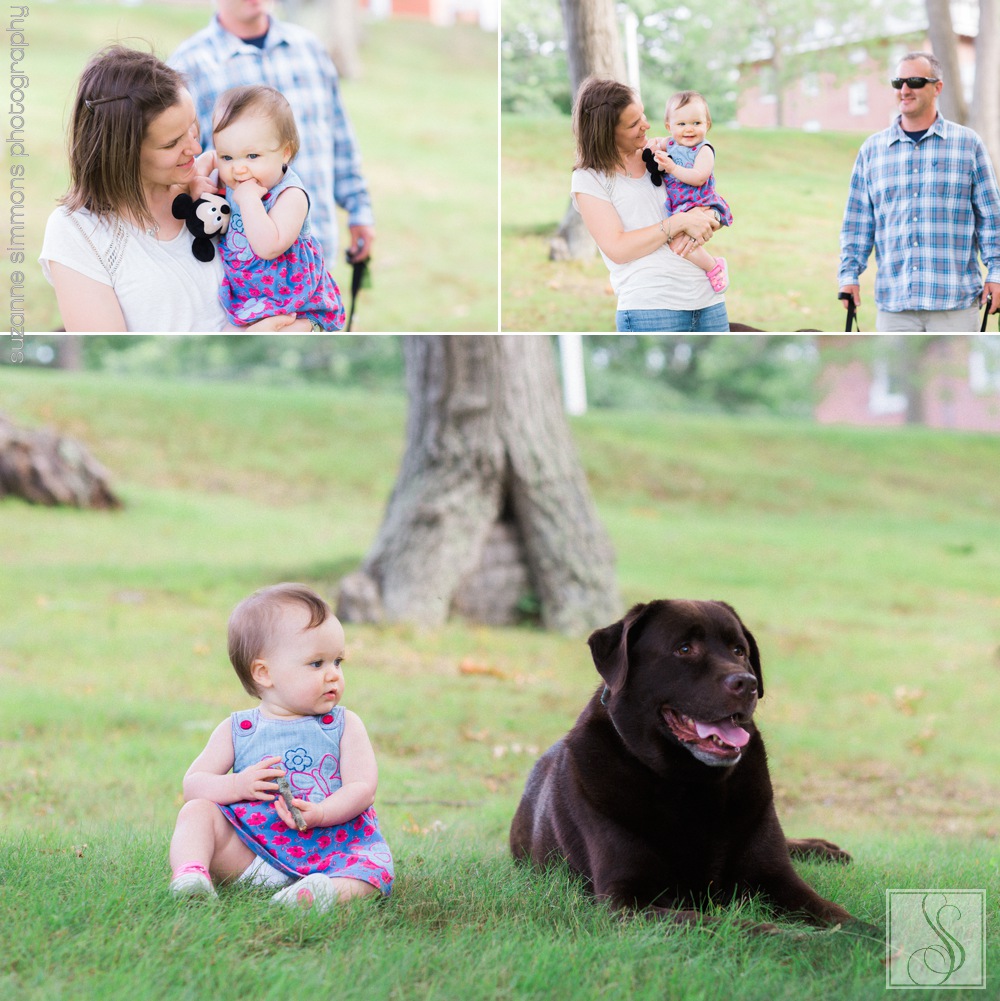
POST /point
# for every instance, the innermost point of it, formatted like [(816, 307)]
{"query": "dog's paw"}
[(817, 850)]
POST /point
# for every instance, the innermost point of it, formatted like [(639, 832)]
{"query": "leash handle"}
[(986, 314), (852, 312)]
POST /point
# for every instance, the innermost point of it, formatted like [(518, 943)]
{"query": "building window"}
[(810, 85), (883, 394), (857, 98), (984, 365)]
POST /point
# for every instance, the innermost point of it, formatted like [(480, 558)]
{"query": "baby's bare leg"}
[(700, 256), (349, 889), (202, 834)]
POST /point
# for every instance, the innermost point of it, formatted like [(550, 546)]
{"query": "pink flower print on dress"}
[(255, 819)]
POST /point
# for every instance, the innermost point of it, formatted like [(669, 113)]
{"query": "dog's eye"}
[(684, 649), (739, 651)]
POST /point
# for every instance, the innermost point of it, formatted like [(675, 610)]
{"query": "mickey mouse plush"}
[(206, 217), (655, 173)]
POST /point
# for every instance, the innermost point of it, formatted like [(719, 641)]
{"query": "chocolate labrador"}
[(660, 796)]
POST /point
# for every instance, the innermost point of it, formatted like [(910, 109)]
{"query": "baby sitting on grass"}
[(287, 648)]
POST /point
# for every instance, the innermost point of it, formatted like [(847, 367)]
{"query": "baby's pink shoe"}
[(192, 880), (719, 275)]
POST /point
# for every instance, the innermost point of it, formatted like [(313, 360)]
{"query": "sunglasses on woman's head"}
[(913, 82)]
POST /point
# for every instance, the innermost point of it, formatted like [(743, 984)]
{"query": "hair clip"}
[(92, 103)]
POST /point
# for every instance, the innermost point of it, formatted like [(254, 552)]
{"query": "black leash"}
[(359, 280), (986, 314), (852, 312)]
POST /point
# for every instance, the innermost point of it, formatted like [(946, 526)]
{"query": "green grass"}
[(864, 561), (424, 110), (787, 190)]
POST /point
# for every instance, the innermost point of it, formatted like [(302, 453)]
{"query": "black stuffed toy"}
[(206, 217), (655, 174)]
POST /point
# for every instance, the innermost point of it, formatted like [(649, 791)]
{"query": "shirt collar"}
[(230, 44), (896, 133)]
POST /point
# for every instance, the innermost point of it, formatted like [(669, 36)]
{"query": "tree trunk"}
[(945, 45), (593, 48), (490, 489), (986, 95), (45, 468)]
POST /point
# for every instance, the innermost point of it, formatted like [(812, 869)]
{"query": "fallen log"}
[(43, 467)]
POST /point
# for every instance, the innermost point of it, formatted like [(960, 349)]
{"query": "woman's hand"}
[(258, 781), (698, 224), (272, 324)]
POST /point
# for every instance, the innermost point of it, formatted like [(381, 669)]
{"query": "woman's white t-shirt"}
[(662, 279), (160, 285)]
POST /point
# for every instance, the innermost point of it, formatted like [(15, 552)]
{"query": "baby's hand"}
[(258, 781), (247, 192), (312, 813), (664, 162)]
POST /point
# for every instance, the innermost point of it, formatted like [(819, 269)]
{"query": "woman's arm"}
[(605, 226), (270, 234), (359, 775), (85, 304)]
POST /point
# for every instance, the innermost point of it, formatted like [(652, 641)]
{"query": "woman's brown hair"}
[(260, 100), (599, 106), (120, 93)]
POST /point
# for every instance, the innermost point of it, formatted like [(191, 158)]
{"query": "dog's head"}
[(680, 674)]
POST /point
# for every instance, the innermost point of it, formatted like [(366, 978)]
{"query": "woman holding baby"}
[(114, 252)]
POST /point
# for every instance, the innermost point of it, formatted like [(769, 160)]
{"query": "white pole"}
[(573, 377)]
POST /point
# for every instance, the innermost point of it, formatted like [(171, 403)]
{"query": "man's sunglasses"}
[(913, 82)]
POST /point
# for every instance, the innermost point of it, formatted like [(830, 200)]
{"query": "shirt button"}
[(328, 719), (245, 724)]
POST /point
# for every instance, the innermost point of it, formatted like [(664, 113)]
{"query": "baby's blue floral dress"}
[(309, 749)]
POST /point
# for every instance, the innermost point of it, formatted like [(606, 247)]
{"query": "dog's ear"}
[(752, 649), (609, 648)]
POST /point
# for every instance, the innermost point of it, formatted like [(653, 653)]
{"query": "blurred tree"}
[(490, 475), (593, 48), (986, 90), (775, 373)]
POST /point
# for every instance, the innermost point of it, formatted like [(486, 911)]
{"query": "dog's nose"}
[(743, 683)]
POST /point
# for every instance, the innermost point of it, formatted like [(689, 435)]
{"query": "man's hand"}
[(855, 291), (362, 238), (991, 289)]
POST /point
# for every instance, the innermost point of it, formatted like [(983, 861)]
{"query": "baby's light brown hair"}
[(257, 100), (683, 97), (253, 621)]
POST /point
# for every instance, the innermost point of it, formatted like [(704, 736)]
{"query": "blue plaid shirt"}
[(294, 62), (928, 208)]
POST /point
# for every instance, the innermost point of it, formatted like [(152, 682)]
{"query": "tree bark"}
[(45, 468), (489, 462), (593, 48), (945, 45), (986, 91)]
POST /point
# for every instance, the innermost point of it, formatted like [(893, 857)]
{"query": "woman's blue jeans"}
[(713, 319)]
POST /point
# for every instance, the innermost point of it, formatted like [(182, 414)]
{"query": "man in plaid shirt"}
[(245, 45), (924, 194)]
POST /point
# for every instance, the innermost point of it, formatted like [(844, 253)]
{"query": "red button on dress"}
[(328, 719), (245, 724)]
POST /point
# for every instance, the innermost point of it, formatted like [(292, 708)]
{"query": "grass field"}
[(865, 561), (424, 110), (787, 190)]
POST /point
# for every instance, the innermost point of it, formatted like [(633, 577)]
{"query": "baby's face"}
[(688, 124), (300, 672), (249, 149)]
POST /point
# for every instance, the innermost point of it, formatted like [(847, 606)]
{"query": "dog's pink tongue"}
[(726, 731)]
